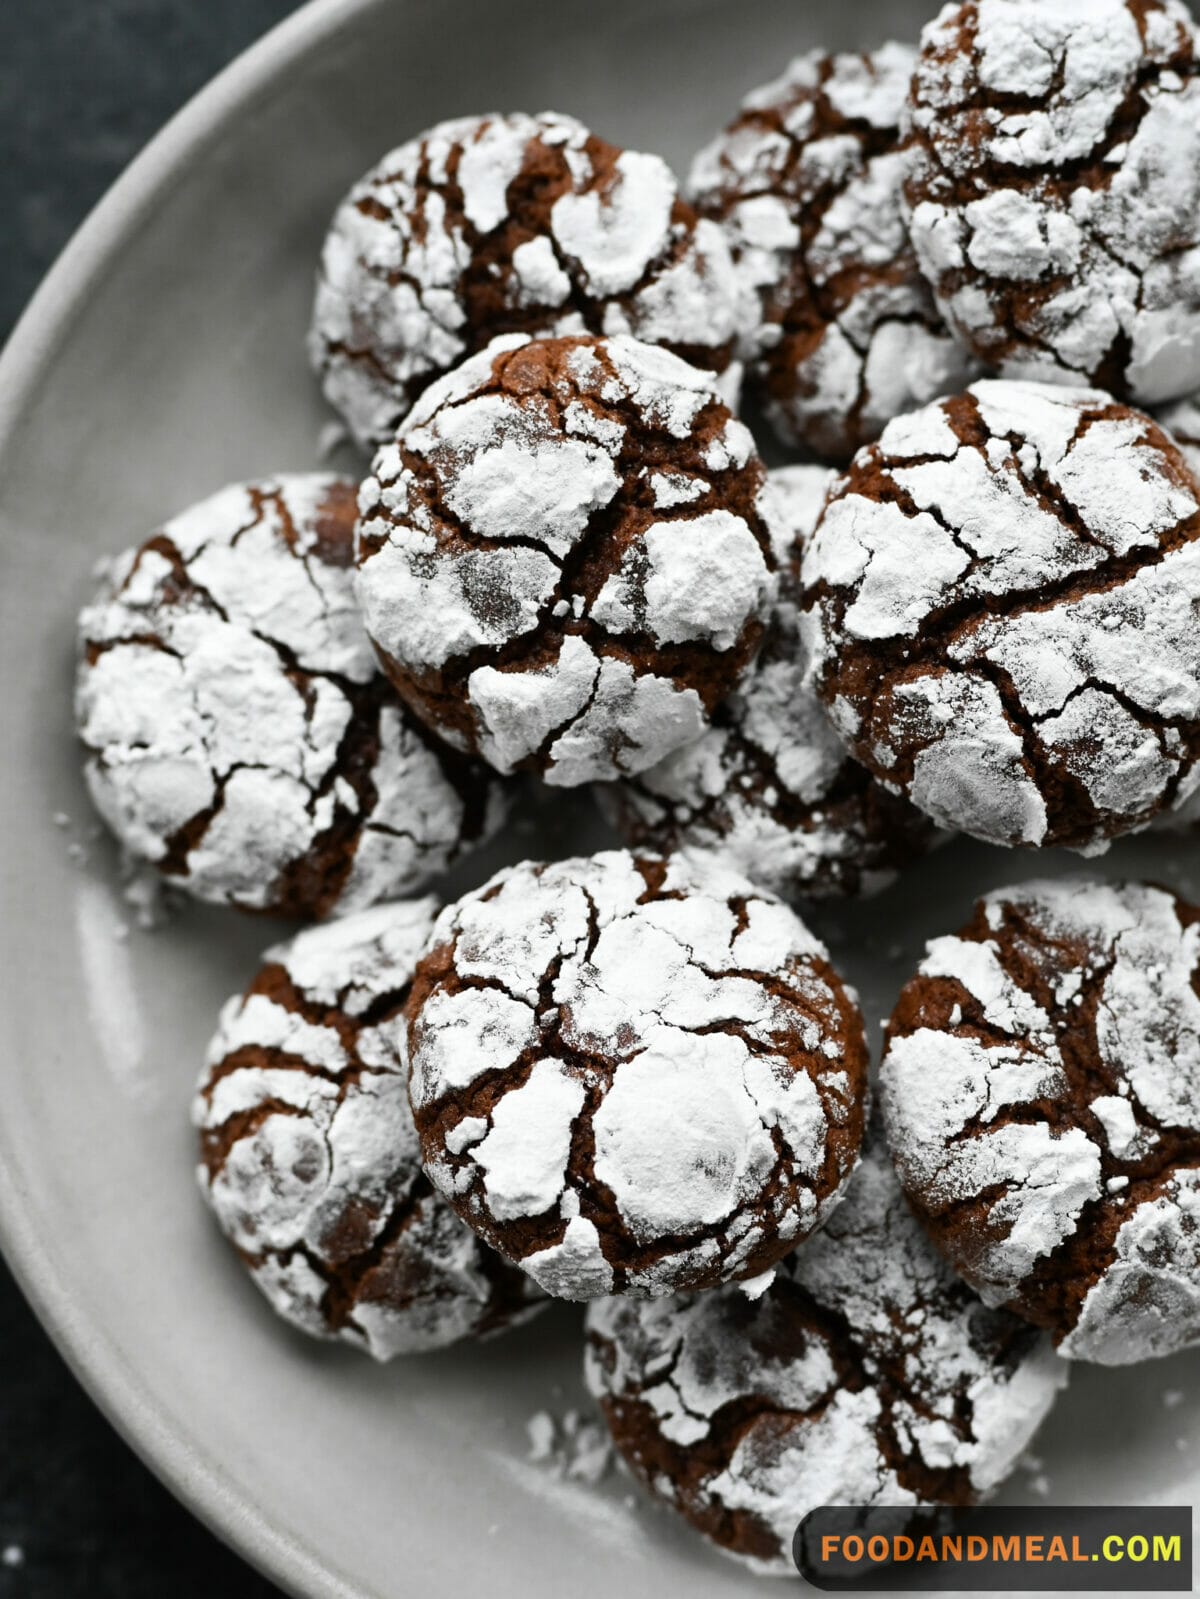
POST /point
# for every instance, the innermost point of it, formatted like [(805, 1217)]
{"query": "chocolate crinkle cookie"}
[(632, 1076), (566, 560), (866, 1374), (1041, 1087), (508, 224), (844, 332), (308, 1153), (1002, 598), (1054, 188), (769, 787), (238, 731)]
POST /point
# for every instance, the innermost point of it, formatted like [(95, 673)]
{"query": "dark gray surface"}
[(83, 85)]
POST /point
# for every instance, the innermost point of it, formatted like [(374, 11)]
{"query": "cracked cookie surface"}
[(866, 1374), (844, 333), (308, 1153), (769, 787), (567, 557), (1041, 1091), (508, 224), (1053, 188), (238, 731), (634, 1076), (1002, 598)]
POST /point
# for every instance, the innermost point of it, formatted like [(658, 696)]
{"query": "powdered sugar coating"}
[(238, 732), (1182, 422), (769, 787), (1054, 188), (567, 557), (632, 1076), (1001, 598), (866, 1374), (1041, 1090), (309, 1155), (500, 224), (843, 332)]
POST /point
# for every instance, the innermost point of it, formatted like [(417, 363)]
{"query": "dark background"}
[(83, 85)]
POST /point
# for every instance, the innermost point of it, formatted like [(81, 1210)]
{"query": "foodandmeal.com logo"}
[(1084, 1548)]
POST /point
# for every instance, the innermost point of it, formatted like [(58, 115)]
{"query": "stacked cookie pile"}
[(950, 279)]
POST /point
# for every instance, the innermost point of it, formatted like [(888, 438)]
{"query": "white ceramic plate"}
[(162, 358)]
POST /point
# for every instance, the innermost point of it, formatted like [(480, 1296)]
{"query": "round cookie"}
[(507, 224), (308, 1153), (866, 1374), (1041, 1090), (238, 731), (634, 1076), (1053, 189), (769, 787), (806, 182), (1002, 601), (565, 560)]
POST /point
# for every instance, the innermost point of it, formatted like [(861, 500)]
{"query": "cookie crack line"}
[(864, 1369), (1052, 1160), (309, 1156), (1049, 191), (585, 662), (998, 686)]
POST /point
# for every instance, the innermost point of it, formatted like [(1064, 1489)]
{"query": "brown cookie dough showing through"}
[(634, 1076), (844, 332), (1182, 422), (866, 1374), (508, 224), (1053, 189), (565, 560), (239, 734), (769, 787), (1002, 598), (308, 1153), (1041, 1090)]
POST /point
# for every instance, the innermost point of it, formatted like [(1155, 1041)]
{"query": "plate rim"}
[(42, 330)]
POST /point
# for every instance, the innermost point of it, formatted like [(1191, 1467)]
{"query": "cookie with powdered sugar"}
[(239, 734), (866, 1374), (567, 558), (769, 787), (844, 332), (1041, 1090), (634, 1076), (308, 1153), (1001, 596), (508, 224), (1053, 189)]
